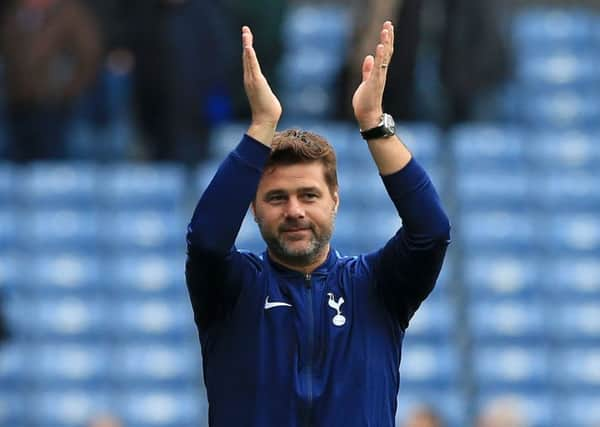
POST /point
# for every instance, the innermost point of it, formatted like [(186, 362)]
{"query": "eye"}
[(310, 196), (276, 198)]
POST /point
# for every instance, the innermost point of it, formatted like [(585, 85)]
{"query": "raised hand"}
[(264, 105), (367, 100)]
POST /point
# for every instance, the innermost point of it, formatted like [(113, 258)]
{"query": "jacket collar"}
[(324, 268)]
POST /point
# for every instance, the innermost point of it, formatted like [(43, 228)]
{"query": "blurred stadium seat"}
[(526, 367), (66, 407), (127, 186), (161, 407), (537, 408), (507, 321), (58, 365), (502, 275), (46, 185), (156, 365)]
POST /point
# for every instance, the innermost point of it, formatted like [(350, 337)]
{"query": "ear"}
[(253, 209), (336, 200)]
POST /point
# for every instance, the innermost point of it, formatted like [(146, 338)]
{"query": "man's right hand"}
[(264, 105)]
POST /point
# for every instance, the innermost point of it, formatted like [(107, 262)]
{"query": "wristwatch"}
[(385, 128)]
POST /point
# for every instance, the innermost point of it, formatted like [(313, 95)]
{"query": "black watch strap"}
[(385, 129)]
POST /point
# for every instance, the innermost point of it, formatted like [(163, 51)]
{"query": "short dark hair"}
[(293, 146)]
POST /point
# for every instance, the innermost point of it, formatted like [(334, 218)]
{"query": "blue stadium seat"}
[(525, 367), (501, 275), (140, 275), (144, 231), (8, 229), (13, 408), (66, 407), (63, 230), (249, 237), (53, 365), (578, 409), (485, 147), (9, 176), (423, 141), (309, 65), (537, 407), (317, 25), (68, 318), (507, 321), (157, 364), (146, 319), (311, 101), (576, 233), (433, 321), (498, 230), (572, 276), (557, 108), (576, 368), (63, 273), (575, 321), (539, 28), (568, 192), (568, 150), (224, 138), (59, 185), (203, 175), (494, 189), (363, 188), (12, 367), (448, 402), (126, 186), (428, 365), (559, 68), (162, 407), (383, 221)]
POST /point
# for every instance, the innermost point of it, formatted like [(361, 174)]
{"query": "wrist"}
[(369, 121), (262, 132)]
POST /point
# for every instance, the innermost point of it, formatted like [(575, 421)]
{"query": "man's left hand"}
[(368, 98)]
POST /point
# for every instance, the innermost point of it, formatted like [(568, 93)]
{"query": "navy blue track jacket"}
[(285, 349)]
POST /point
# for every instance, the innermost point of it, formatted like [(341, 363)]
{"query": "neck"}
[(302, 267)]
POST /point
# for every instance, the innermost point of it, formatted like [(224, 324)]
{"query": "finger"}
[(380, 65), (390, 28), (246, 45), (388, 44), (367, 67), (247, 37), (251, 65)]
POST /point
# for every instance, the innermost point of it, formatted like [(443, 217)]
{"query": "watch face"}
[(389, 126)]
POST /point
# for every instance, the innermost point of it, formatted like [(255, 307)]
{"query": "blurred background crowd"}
[(114, 115)]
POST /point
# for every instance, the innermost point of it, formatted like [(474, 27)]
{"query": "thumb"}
[(367, 67)]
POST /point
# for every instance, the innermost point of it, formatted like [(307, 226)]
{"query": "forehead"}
[(290, 177)]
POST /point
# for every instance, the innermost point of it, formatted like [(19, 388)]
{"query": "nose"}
[(294, 208)]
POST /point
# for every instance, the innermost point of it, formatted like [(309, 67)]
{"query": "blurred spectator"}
[(265, 17), (105, 420), (51, 50), (367, 17), (182, 52), (475, 56), (424, 416), (503, 411)]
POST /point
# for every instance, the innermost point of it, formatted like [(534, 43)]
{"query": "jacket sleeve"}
[(407, 268), (214, 268)]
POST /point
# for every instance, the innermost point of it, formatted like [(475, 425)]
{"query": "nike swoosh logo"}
[(269, 305)]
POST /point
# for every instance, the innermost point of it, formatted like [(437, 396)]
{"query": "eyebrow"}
[(280, 191)]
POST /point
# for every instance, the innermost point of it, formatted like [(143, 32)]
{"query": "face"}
[(295, 212)]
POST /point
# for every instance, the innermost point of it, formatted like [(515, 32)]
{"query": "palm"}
[(363, 100), (368, 97)]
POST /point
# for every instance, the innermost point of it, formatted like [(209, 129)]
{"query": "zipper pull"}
[(307, 281)]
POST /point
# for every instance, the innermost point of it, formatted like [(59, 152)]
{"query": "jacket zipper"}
[(311, 339)]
